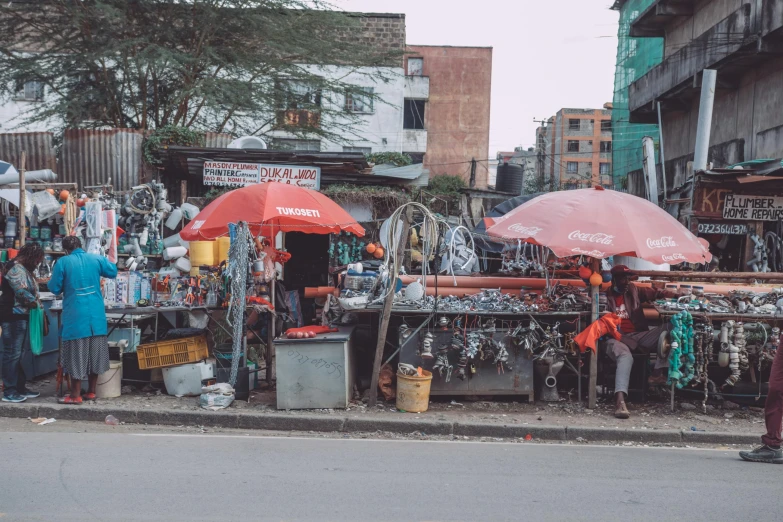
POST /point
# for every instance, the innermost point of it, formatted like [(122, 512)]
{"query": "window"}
[(573, 146), (603, 168), (30, 91), (414, 114), (363, 150), (296, 95), (606, 146), (415, 66), (572, 167), (574, 124), (294, 144), (606, 125), (359, 99)]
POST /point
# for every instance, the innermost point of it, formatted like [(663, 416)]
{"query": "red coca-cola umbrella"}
[(600, 223), (269, 208)]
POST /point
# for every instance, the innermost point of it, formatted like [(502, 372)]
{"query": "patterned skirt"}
[(85, 356)]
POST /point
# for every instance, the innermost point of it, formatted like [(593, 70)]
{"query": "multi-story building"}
[(447, 103), (574, 148), (742, 40), (635, 56), (433, 104)]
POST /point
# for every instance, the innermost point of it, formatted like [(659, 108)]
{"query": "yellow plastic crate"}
[(171, 353)]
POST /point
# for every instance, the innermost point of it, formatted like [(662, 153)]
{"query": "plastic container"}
[(46, 232), (189, 211), (174, 252), (185, 380), (35, 232), (171, 353), (171, 241), (223, 244), (110, 383), (174, 219), (202, 253), (183, 265), (10, 226), (413, 393)]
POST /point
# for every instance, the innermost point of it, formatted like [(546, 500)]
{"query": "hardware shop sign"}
[(753, 208), (228, 174)]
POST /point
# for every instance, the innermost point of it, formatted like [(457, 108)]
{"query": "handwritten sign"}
[(753, 208), (228, 174), (331, 368)]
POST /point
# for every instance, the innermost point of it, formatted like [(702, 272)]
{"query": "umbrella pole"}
[(595, 265)]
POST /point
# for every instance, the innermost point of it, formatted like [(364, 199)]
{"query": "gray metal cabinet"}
[(315, 373)]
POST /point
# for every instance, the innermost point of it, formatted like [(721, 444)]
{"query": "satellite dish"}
[(247, 142)]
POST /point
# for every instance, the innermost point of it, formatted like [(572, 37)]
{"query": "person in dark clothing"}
[(19, 295), (626, 299), (770, 451)]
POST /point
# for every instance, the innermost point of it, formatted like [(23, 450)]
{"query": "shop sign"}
[(242, 174), (753, 208), (735, 229)]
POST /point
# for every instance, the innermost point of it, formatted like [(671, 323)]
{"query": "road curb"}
[(403, 425), (622, 434)]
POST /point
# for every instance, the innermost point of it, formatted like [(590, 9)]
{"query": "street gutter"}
[(349, 425)]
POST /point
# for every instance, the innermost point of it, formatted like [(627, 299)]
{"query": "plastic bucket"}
[(223, 243), (202, 253), (413, 393), (110, 383)]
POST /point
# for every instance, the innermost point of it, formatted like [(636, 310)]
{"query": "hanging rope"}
[(238, 266)]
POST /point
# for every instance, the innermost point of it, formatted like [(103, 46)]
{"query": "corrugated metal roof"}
[(38, 148), (93, 157)]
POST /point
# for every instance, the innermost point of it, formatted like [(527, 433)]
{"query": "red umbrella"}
[(269, 208), (600, 223)]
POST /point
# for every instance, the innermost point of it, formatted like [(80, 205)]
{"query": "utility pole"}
[(473, 173), (541, 154), (708, 80)]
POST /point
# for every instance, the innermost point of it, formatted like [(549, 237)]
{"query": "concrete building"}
[(574, 148), (447, 102), (743, 41)]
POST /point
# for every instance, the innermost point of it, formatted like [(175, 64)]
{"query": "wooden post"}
[(22, 222), (386, 315), (595, 265), (270, 333)]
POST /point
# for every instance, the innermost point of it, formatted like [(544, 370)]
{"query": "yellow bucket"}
[(413, 393), (202, 253), (222, 245)]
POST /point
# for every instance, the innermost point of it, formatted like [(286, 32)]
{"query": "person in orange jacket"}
[(626, 299)]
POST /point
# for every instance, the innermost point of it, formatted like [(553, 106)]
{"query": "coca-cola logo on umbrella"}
[(674, 258), (663, 242), (523, 230), (587, 237)]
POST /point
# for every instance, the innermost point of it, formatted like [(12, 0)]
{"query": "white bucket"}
[(110, 383)]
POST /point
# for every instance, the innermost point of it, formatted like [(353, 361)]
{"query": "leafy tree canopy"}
[(236, 66)]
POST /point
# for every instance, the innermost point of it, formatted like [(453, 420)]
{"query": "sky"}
[(547, 54)]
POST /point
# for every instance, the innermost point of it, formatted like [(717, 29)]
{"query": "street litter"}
[(216, 396), (42, 421)]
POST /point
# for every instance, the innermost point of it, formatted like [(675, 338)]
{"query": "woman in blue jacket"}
[(85, 349)]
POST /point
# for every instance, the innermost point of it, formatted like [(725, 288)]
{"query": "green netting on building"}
[(635, 56)]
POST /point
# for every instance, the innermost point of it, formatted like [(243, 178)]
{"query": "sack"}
[(36, 330)]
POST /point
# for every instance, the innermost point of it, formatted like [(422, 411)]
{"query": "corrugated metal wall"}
[(38, 148), (93, 157), (216, 140)]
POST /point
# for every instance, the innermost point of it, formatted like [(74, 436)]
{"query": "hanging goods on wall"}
[(681, 359)]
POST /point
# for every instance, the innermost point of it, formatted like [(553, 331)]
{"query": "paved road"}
[(162, 476)]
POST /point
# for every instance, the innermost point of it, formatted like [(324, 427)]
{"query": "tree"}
[(237, 66)]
